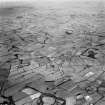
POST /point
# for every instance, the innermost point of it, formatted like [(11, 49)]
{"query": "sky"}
[(16, 2), (39, 0)]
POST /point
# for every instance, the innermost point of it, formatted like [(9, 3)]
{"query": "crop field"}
[(52, 41)]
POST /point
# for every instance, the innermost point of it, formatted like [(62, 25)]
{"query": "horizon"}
[(9, 3)]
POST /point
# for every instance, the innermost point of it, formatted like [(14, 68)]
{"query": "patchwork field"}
[(52, 41)]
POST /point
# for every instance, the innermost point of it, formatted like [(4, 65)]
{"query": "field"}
[(51, 41)]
